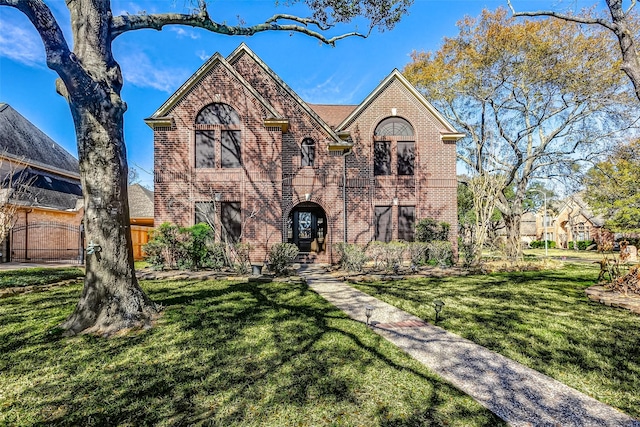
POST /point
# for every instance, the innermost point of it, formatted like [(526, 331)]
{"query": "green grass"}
[(37, 276), (542, 320), (223, 354), (559, 254)]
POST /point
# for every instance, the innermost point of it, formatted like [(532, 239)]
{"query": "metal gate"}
[(47, 242)]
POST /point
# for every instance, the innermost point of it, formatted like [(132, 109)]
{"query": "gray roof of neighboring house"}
[(33, 187), (22, 140), (140, 202)]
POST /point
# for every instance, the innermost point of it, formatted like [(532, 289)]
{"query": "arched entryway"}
[(307, 227)]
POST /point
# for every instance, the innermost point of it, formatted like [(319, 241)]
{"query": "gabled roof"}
[(576, 200), (21, 141), (448, 132), (140, 202), (160, 116), (244, 49)]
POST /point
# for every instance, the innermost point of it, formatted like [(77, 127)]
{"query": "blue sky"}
[(155, 64)]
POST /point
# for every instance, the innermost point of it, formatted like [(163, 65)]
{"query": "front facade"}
[(237, 148), (570, 220)]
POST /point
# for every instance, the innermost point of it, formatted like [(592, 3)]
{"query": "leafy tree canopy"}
[(613, 188)]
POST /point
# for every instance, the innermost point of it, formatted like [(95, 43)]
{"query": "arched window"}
[(394, 126), (308, 152), (393, 133), (227, 133), (218, 114)]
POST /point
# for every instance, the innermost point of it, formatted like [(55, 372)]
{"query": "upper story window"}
[(226, 132), (394, 126), (394, 133), (308, 152)]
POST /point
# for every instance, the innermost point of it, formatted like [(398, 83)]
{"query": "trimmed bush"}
[(539, 244), (418, 252), (580, 244), (164, 248), (428, 229), (440, 253), (281, 255), (351, 256)]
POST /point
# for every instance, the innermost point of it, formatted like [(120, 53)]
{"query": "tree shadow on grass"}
[(228, 354)]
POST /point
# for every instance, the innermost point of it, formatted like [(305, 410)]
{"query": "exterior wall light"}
[(217, 197)]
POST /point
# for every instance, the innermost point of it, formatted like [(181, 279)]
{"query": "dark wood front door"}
[(308, 228)]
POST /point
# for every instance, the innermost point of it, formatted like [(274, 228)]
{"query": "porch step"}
[(306, 258)]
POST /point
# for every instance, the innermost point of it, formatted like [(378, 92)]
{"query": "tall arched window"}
[(308, 152), (394, 133), (226, 131)]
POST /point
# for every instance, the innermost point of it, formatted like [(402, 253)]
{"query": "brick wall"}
[(271, 181)]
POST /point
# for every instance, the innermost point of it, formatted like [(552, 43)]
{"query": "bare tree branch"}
[(572, 18), (201, 19)]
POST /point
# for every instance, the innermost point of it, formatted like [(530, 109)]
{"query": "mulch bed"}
[(629, 301)]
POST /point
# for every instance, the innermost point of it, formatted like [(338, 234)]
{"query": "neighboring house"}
[(238, 148), (567, 221), (141, 214), (528, 227), (40, 180)]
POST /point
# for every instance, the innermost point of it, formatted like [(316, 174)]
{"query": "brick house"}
[(238, 148), (40, 194)]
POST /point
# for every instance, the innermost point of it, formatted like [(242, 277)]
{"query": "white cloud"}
[(203, 55), (138, 70), (182, 33), (21, 44), (336, 89)]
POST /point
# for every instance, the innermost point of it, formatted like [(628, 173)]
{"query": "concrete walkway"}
[(517, 394)]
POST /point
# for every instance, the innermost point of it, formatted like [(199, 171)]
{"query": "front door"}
[(308, 228)]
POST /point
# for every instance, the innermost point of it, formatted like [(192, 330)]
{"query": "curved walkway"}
[(517, 394)]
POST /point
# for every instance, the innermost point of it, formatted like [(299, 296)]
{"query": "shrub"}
[(418, 252), (242, 259), (351, 256), (539, 244), (580, 244), (375, 252), (164, 249), (392, 255), (280, 256), (440, 253), (196, 246), (428, 229)]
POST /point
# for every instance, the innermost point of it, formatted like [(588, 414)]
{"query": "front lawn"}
[(38, 276), (223, 353), (542, 320)]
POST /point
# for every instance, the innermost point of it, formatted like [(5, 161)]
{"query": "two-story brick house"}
[(237, 147)]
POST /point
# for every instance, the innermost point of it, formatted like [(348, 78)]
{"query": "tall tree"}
[(533, 97), (91, 81), (613, 188), (621, 22)]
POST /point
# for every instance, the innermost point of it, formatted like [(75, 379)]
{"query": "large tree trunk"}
[(513, 247), (111, 299)]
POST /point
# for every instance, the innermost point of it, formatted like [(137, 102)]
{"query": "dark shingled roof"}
[(37, 188), (140, 202), (22, 140)]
